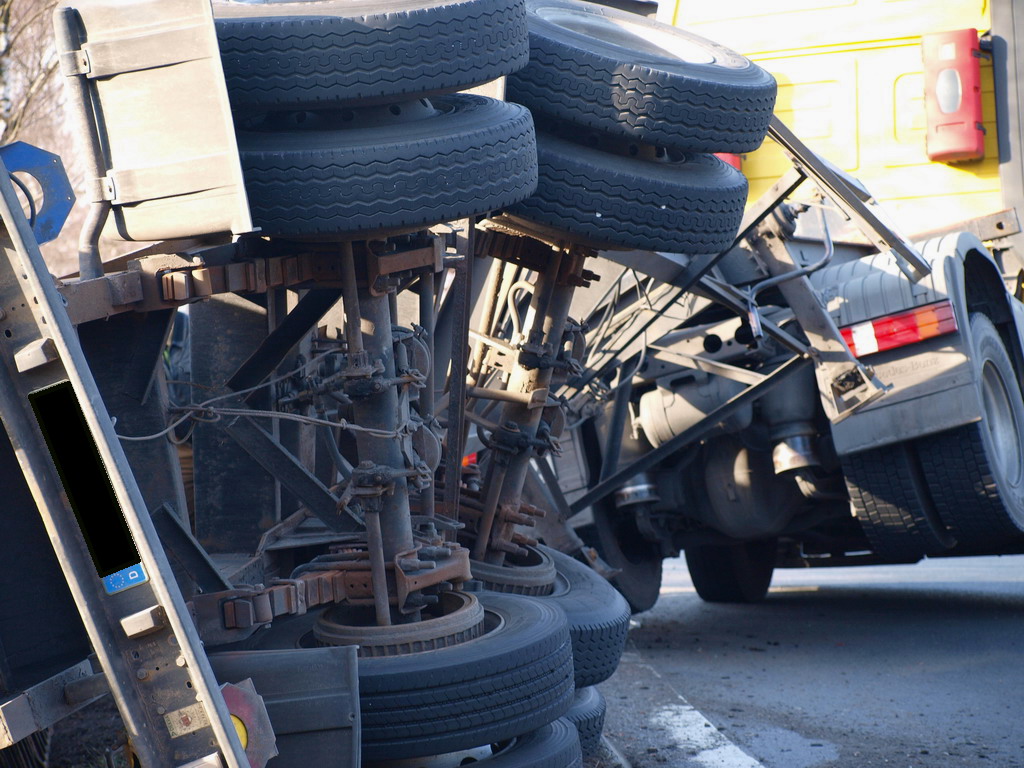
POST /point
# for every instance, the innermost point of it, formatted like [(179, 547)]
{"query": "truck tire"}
[(465, 155), (693, 206), (533, 574), (890, 499), (288, 55), (598, 618), (518, 679), (735, 573), (625, 74), (587, 714), (556, 745), (512, 680), (976, 471), (638, 561)]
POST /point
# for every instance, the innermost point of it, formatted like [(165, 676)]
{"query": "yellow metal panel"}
[(765, 26), (851, 85)]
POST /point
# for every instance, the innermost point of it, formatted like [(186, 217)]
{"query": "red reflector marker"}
[(901, 329), (952, 74)]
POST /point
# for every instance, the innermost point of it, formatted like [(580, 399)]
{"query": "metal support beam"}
[(459, 308), (844, 382), (183, 550), (287, 469), (851, 199), (280, 341)]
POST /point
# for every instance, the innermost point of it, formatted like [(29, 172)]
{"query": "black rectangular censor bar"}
[(84, 478)]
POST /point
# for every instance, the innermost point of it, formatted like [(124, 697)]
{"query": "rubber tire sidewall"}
[(555, 745), (296, 55), (989, 347)]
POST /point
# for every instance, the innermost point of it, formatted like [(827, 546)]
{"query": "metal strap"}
[(133, 185), (157, 49)]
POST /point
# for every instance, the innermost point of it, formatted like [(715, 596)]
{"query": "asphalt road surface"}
[(918, 666)]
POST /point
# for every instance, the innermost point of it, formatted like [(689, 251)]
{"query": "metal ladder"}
[(90, 505)]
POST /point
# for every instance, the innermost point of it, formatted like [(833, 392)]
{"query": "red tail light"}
[(901, 329)]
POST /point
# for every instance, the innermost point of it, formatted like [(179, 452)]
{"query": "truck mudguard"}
[(933, 383)]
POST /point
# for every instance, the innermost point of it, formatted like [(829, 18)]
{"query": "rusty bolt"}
[(526, 541), (512, 549), (517, 519), (532, 511)]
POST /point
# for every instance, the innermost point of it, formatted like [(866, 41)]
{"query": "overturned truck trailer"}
[(278, 479)]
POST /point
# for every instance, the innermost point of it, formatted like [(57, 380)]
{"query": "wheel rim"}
[(457, 618), (1001, 425), (662, 44)]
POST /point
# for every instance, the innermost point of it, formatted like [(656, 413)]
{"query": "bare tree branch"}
[(23, 110), (31, 24)]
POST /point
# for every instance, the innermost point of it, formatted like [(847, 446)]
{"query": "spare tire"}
[(691, 205), (598, 618), (377, 169), (285, 55), (509, 681), (625, 74), (587, 714), (556, 745)]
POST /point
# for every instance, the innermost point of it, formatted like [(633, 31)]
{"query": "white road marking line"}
[(693, 734), (700, 741), (615, 753)]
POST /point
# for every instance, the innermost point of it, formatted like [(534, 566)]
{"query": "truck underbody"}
[(377, 464)]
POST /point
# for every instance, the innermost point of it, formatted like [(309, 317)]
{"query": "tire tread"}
[(889, 499), (418, 182), (295, 61), (596, 194), (670, 109)]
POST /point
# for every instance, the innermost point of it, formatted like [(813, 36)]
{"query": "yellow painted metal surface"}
[(851, 85)]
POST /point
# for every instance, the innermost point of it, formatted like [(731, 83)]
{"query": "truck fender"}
[(980, 284), (933, 382)]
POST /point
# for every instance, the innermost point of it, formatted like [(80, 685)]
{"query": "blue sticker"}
[(124, 579)]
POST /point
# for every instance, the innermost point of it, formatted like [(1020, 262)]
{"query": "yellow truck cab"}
[(863, 83)]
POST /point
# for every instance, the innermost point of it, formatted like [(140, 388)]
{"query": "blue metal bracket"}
[(58, 195)]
